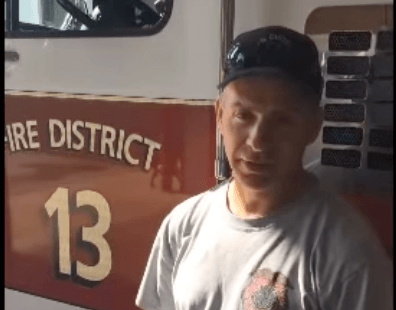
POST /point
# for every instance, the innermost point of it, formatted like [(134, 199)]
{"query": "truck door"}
[(108, 125)]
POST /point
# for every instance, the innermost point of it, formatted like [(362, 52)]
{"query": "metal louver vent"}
[(381, 138), (382, 65), (381, 114), (355, 89), (350, 41), (382, 90), (379, 161), (385, 40), (353, 113), (341, 158), (348, 65), (367, 80), (343, 135)]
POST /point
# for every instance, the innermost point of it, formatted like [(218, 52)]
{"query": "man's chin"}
[(254, 181)]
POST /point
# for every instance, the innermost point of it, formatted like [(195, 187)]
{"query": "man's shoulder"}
[(345, 246), (193, 210), (345, 234), (340, 219)]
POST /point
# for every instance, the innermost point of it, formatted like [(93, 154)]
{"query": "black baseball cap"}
[(275, 51)]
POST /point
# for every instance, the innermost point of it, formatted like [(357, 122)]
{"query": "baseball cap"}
[(275, 51)]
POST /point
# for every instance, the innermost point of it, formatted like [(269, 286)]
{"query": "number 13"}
[(60, 201)]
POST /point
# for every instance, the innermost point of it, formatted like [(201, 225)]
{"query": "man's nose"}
[(260, 135)]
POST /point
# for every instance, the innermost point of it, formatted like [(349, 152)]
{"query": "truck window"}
[(63, 18)]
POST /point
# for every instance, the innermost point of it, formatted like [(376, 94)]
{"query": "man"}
[(270, 237)]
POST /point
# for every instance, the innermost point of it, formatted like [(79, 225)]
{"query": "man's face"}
[(266, 126)]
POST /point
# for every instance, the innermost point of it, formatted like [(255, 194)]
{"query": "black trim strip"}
[(7, 25), (14, 14)]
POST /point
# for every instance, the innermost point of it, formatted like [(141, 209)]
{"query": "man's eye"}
[(284, 120), (243, 115)]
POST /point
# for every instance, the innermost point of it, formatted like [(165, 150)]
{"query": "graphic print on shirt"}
[(266, 291)]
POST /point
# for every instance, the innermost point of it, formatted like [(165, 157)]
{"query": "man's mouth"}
[(257, 166)]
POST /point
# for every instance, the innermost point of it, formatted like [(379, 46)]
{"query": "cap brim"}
[(255, 72)]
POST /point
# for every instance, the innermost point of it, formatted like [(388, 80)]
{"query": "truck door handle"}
[(11, 56)]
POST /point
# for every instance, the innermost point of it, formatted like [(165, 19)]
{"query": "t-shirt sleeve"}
[(369, 287), (155, 291)]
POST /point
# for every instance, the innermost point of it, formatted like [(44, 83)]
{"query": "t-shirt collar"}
[(266, 222)]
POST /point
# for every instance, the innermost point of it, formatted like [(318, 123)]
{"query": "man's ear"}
[(219, 109), (317, 123)]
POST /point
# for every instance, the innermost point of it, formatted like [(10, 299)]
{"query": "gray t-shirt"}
[(316, 253)]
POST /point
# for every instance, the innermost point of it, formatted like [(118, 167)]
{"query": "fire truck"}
[(109, 124)]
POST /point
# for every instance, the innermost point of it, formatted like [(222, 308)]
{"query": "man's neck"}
[(247, 203)]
